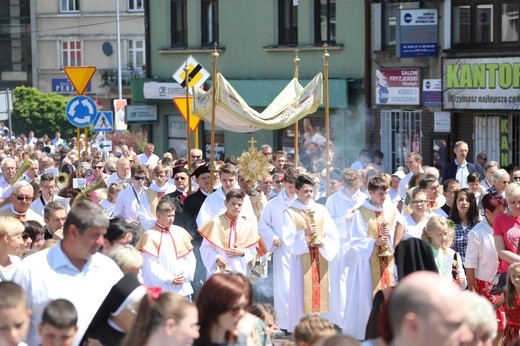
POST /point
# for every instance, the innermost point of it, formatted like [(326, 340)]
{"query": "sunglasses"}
[(98, 167), (139, 178), (23, 198)]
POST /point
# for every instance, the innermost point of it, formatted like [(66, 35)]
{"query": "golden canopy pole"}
[(188, 139), (296, 134), (327, 124), (213, 106)]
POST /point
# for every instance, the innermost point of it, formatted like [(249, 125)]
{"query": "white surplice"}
[(270, 229), (296, 242), (338, 204), (359, 281), (214, 205)]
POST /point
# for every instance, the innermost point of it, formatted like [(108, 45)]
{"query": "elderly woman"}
[(500, 180), (11, 245), (341, 206), (490, 168)]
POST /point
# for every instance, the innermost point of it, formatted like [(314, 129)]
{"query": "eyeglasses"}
[(114, 171), (23, 198), (179, 178), (419, 202), (98, 167), (278, 181), (139, 178), (268, 182)]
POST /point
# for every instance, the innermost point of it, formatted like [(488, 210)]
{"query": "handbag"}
[(499, 284)]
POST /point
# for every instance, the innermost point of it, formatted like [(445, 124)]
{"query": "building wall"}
[(94, 25), (248, 37)]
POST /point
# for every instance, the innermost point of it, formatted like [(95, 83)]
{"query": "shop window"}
[(287, 22)]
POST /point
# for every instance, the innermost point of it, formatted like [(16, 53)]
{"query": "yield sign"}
[(80, 76), (180, 103)]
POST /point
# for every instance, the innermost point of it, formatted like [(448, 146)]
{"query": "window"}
[(509, 21), (390, 15), (71, 53), (325, 21), (209, 22), (135, 5), (478, 23), (179, 25), (69, 5), (287, 22), (136, 56)]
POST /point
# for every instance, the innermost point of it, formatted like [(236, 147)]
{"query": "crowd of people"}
[(138, 249)]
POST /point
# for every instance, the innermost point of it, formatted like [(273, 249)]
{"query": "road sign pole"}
[(9, 119)]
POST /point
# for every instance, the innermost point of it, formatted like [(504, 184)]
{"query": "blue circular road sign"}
[(81, 111)]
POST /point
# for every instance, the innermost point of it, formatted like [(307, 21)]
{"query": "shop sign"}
[(418, 33), (398, 86), (481, 83)]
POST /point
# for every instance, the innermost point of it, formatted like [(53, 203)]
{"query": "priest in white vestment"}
[(312, 239)]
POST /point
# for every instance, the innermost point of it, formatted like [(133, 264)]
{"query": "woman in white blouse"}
[(419, 214)]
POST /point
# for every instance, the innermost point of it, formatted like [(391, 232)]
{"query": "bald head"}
[(422, 300)]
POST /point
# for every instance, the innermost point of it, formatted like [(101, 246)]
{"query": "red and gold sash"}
[(218, 232), (382, 268), (315, 267)]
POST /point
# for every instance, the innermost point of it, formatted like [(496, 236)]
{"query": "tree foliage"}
[(43, 113)]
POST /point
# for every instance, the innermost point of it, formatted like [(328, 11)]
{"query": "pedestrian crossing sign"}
[(104, 122)]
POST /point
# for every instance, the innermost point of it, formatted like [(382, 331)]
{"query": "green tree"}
[(40, 112)]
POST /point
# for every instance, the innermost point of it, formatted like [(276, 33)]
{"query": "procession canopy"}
[(292, 104)]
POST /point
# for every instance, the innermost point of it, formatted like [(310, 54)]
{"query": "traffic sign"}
[(197, 74), (180, 103), (80, 76), (105, 146), (81, 111), (104, 122)]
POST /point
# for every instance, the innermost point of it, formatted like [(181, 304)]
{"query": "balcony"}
[(109, 76)]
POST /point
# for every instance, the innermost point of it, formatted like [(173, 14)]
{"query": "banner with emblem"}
[(293, 103)]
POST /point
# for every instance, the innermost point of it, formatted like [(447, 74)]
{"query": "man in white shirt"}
[(122, 174), (48, 194), (414, 164), (73, 270), (8, 167), (148, 157), (57, 140), (132, 203)]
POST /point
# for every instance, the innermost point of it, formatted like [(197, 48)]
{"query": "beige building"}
[(84, 33)]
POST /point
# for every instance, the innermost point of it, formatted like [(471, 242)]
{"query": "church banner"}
[(232, 112)]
